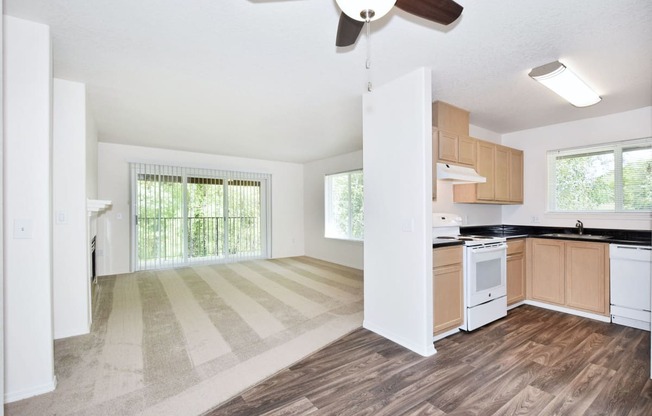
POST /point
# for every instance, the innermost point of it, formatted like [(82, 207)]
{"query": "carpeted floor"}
[(182, 341)]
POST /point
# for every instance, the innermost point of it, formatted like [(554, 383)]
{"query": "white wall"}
[(347, 253), (29, 363), (113, 241), (397, 140), (472, 214), (536, 142), (2, 275), (91, 156), (69, 237)]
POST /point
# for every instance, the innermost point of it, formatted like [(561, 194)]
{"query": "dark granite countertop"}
[(447, 243), (633, 237)]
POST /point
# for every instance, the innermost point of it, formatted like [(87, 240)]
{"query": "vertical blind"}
[(187, 216)]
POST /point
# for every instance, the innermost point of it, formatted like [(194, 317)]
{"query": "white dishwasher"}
[(630, 285)]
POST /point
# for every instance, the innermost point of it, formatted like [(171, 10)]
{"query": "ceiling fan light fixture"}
[(561, 80), (365, 10)]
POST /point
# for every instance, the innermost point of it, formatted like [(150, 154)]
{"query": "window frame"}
[(328, 206), (185, 175), (617, 148)]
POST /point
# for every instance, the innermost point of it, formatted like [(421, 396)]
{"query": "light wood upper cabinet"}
[(449, 118), (515, 271), (454, 144), (448, 147), (503, 168), (574, 274), (467, 149), (502, 175), (485, 167), (516, 176), (435, 157), (459, 150), (448, 286), (501, 165)]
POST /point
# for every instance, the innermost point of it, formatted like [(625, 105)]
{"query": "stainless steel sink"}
[(578, 236)]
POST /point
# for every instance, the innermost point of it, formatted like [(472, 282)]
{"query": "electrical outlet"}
[(535, 219), (22, 228)]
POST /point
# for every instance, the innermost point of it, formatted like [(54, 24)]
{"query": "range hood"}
[(458, 174)]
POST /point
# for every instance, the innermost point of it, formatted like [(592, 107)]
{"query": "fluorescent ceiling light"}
[(365, 10), (565, 83)]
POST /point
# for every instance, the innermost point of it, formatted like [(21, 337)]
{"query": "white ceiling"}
[(263, 78)]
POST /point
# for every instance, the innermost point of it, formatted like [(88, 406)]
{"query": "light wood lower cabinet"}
[(548, 283), (448, 289), (587, 276), (515, 271), (574, 274)]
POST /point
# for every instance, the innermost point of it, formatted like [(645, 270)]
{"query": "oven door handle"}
[(479, 250)]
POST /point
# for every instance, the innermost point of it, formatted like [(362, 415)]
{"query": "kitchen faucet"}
[(580, 227)]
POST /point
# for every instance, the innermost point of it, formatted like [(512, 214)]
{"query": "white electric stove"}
[(485, 271)]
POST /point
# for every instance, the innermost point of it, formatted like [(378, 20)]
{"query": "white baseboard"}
[(73, 332), (31, 392), (570, 311), (445, 334), (423, 350), (515, 305)]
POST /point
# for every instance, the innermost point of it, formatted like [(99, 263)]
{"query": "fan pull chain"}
[(368, 62)]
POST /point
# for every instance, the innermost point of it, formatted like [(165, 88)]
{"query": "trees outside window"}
[(344, 198), (185, 216), (614, 177)]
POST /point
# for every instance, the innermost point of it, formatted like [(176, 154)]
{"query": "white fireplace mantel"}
[(96, 205)]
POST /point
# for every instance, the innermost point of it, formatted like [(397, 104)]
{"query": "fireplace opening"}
[(93, 263)]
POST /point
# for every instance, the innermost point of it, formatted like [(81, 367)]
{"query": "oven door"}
[(486, 273)]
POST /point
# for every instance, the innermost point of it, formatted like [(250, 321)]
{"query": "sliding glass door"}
[(187, 216)]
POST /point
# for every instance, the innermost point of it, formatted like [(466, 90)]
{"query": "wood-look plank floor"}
[(533, 362)]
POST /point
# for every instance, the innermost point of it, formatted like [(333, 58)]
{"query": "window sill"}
[(346, 240), (632, 216)]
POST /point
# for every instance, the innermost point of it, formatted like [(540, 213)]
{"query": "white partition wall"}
[(2, 275), (29, 353), (71, 280), (397, 142)]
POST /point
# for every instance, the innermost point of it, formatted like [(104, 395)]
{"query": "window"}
[(344, 206), (614, 177), (189, 216)]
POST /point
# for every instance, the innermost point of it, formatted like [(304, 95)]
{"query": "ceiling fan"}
[(355, 13)]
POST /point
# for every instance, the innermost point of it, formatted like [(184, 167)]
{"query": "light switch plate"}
[(22, 228), (407, 225), (61, 217)]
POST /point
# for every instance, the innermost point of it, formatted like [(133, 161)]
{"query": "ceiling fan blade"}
[(348, 31), (439, 11)]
